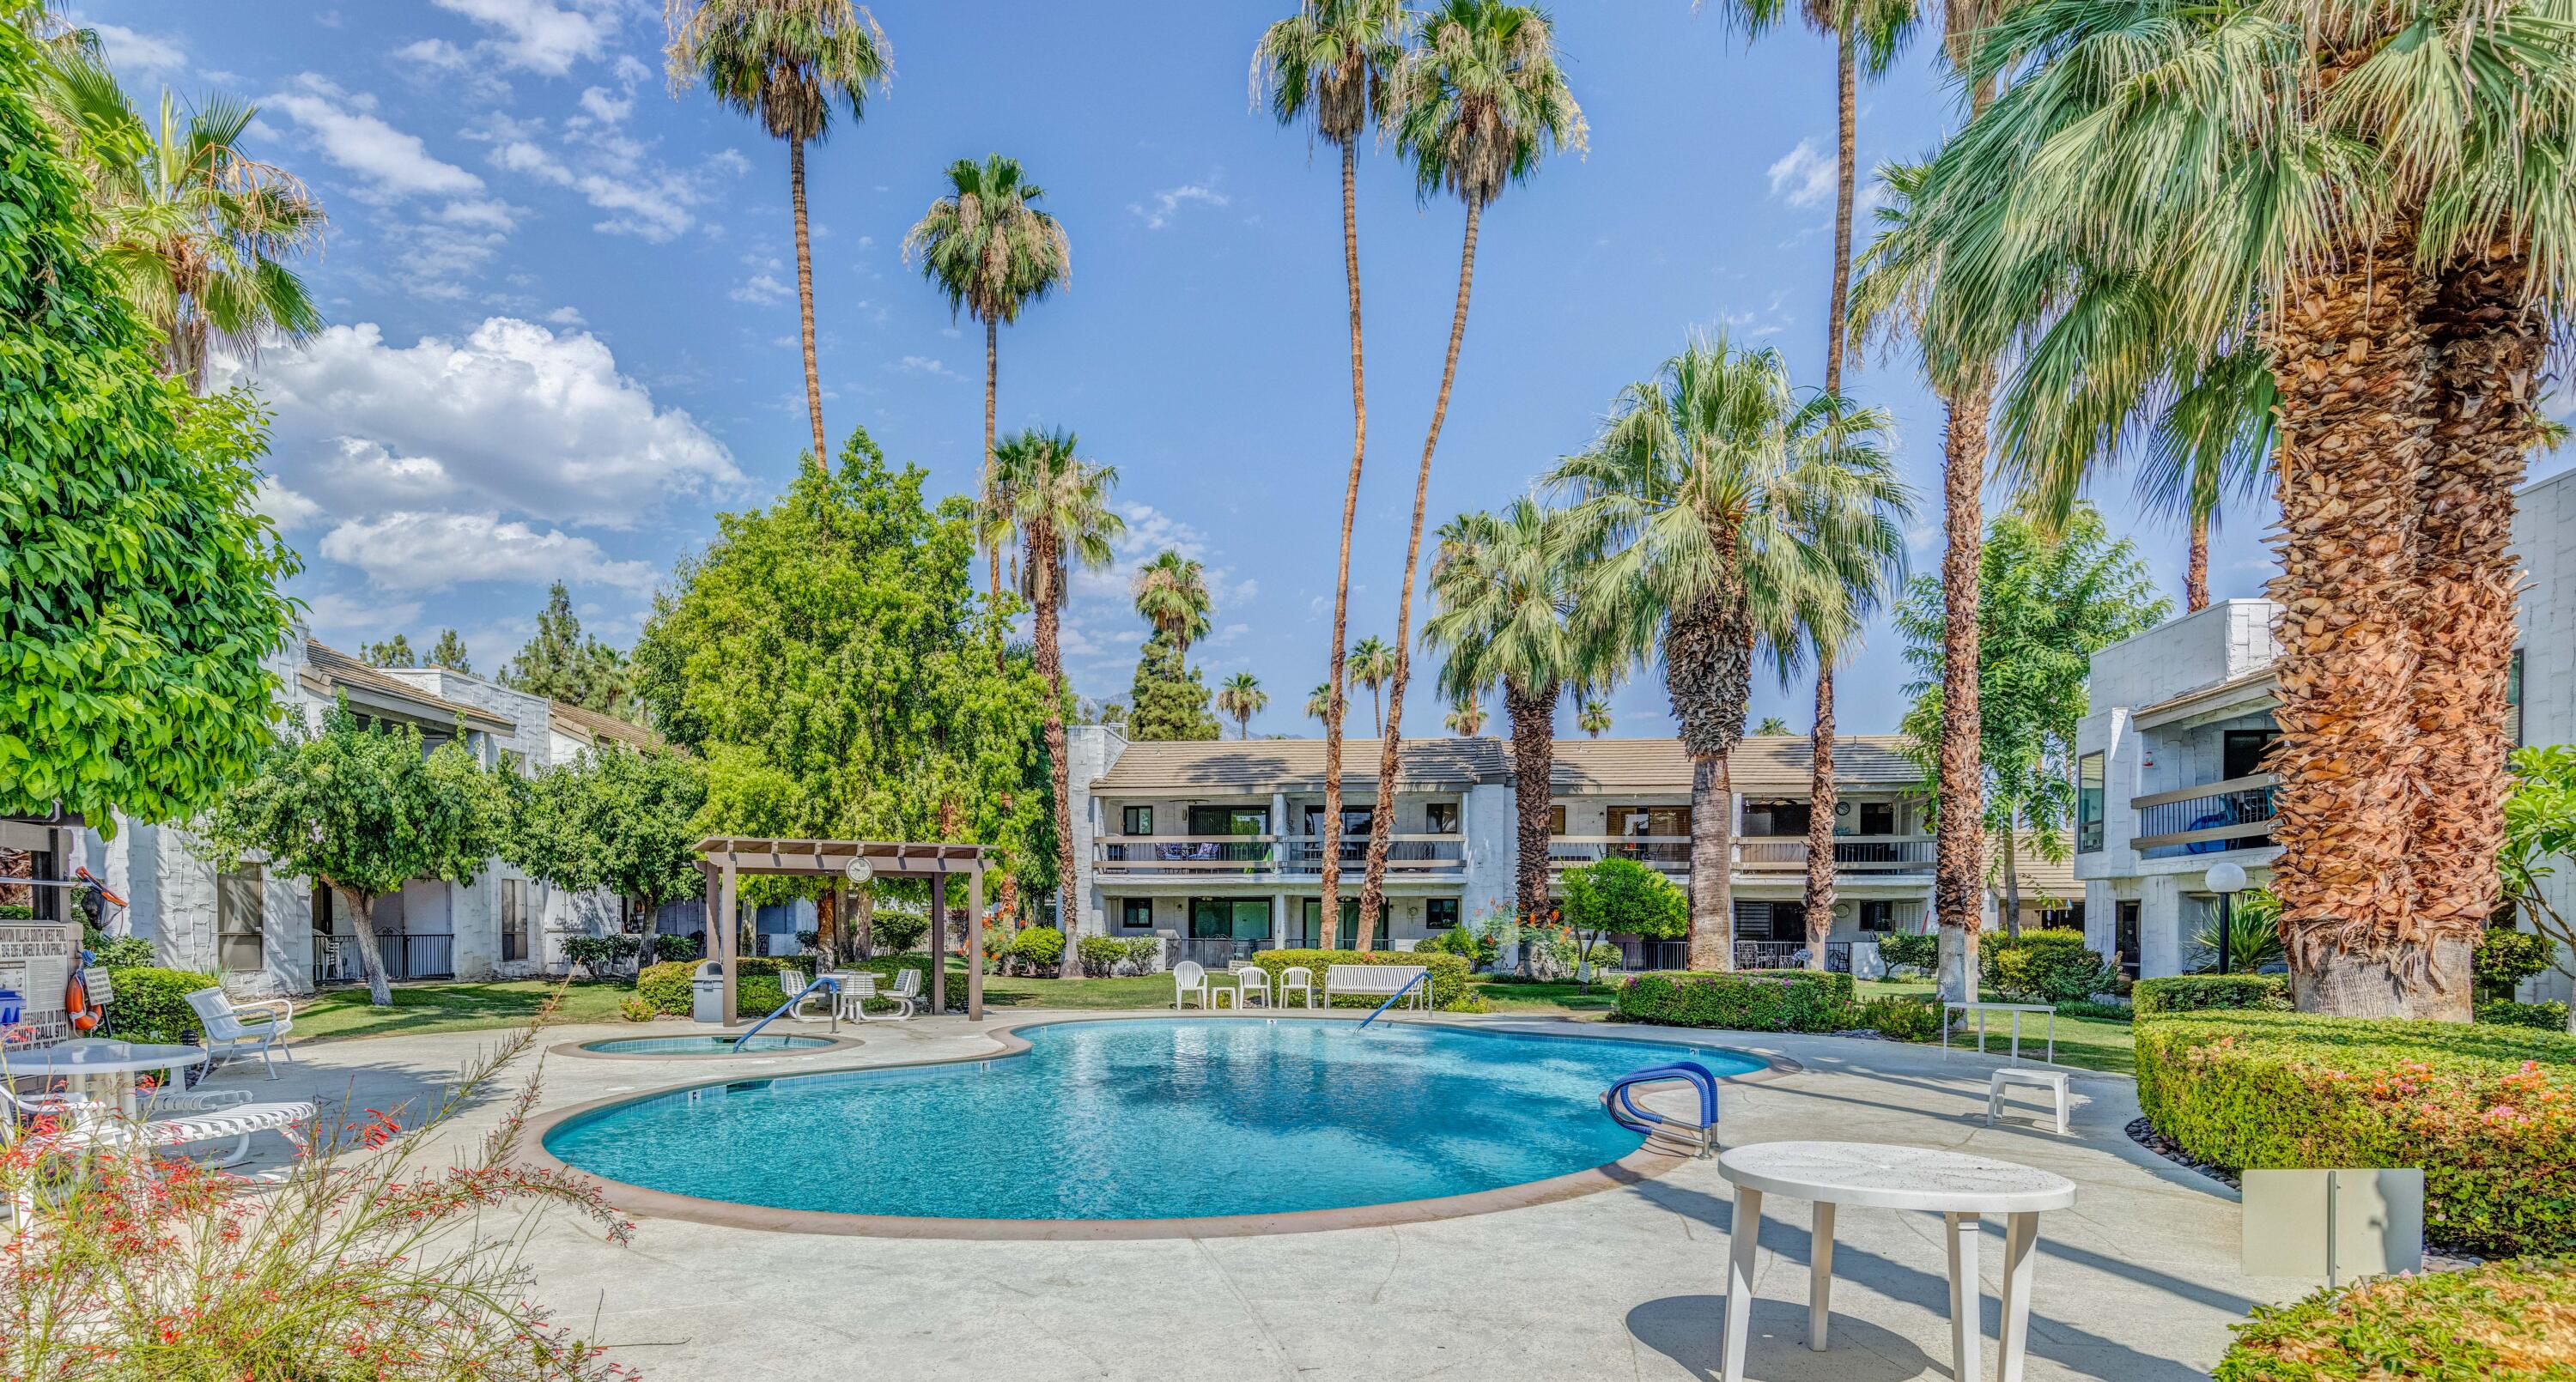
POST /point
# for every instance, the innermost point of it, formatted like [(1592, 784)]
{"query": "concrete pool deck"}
[(2137, 1283)]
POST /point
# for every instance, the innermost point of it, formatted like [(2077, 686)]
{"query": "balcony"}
[(1266, 856), (1670, 853), (1852, 853), (2212, 818)]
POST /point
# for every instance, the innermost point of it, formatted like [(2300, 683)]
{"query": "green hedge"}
[(756, 990), (2488, 1112), (149, 1003), (1911, 951), (2042, 967), (2198, 992), (1448, 972), (1900, 1016), (1762, 1000), (2548, 1017), (2501, 1322)]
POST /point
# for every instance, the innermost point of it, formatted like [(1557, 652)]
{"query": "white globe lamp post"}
[(2226, 880)]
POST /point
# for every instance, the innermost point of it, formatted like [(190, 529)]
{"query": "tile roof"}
[(1272, 765), (591, 725), (334, 668)]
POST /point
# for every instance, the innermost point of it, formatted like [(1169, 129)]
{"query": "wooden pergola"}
[(725, 859)]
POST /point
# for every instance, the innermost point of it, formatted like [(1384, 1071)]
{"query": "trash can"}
[(706, 992)]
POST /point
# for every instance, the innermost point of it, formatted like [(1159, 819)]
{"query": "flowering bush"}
[(2502, 1322), (363, 1260), (2488, 1112)]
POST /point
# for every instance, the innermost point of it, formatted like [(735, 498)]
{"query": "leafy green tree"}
[(1171, 594), (141, 583), (449, 652), (2046, 605), (615, 820), (1240, 699), (788, 63), (1167, 700), (559, 661), (2539, 831), (360, 808), (392, 652), (1618, 895), (1773, 724)]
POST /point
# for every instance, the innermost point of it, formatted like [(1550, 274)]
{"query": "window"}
[(2088, 804), (1770, 921), (2240, 751), (1878, 818), (1877, 914), (2124, 936), (1556, 820), (514, 922), (1229, 820), (1348, 936), (1440, 913), (1440, 818), (1136, 913), (237, 911), (1670, 822), (1137, 820), (2513, 700), (1776, 818), (1230, 918)]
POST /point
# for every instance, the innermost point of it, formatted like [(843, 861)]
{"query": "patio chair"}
[(860, 989), (792, 982), (1296, 977), (1188, 977), (259, 1024), (1251, 984)]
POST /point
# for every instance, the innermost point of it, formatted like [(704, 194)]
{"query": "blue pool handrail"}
[(823, 982), (1620, 1100), (1424, 978)]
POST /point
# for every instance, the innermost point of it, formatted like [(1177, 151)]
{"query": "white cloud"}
[(923, 364), (435, 52), (541, 37), (517, 418), (1804, 176), (132, 53), (1167, 203), (432, 551), (284, 507), (393, 163), (760, 288), (347, 619), (611, 170), (606, 109), (566, 316)]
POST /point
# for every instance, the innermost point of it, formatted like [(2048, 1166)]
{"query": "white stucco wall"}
[(2545, 544)]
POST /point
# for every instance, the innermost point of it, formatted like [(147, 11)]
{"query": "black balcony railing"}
[(2209, 819)]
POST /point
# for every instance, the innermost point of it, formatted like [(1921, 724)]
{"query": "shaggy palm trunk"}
[(1337, 702), (1391, 734), (805, 300), (1708, 674), (2195, 568), (1045, 573), (1533, 717), (1959, 848), (362, 919), (1822, 799), (2353, 368)]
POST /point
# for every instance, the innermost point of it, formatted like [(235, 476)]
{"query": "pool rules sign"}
[(35, 963)]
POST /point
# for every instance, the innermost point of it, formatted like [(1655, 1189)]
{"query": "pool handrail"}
[(1620, 1100), (824, 981), (1424, 979)]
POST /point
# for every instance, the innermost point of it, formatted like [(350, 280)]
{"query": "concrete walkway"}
[(2138, 1283)]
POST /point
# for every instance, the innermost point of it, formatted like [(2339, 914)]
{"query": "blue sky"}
[(563, 325)]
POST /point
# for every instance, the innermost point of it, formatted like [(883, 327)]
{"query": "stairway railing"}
[(1620, 1100)]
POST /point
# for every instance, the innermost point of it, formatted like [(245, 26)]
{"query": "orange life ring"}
[(76, 1005)]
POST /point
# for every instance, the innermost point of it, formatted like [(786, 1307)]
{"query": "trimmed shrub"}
[(1038, 947), (679, 947), (2108, 1012), (2041, 967), (1906, 951), (1101, 954), (2199, 992), (636, 1008), (756, 990), (151, 1004), (17, 911), (2488, 1112), (1772, 1000), (1448, 972), (2501, 1322), (2547, 1017), (2505, 957), (1900, 1017), (599, 954), (121, 952), (897, 931)]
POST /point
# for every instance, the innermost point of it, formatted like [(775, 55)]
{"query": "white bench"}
[(2016, 1009), (1377, 981), (2054, 1080)]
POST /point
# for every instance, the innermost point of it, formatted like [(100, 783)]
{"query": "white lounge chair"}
[(1251, 984), (260, 1025), (1296, 977), (1189, 977), (204, 1115)]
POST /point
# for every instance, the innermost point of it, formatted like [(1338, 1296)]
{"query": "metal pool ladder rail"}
[(823, 982), (1620, 1100), (1424, 979)]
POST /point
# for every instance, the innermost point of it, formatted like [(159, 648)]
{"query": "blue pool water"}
[(1142, 1120), (703, 1045)]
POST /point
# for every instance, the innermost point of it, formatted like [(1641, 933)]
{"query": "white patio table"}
[(1868, 1175), (87, 1061)]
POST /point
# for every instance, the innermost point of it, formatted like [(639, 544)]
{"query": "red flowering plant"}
[(361, 1258)]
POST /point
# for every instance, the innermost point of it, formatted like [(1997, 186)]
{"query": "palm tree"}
[(1467, 718), (1172, 595), (1371, 662), (195, 232), (1700, 506), (1773, 724), (1241, 698), (1481, 102), (1058, 503), (1328, 66), (1319, 701), (1505, 588), (1594, 719), (2364, 209), (787, 63), (992, 252), (1863, 566)]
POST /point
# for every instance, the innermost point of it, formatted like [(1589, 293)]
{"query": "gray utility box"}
[(2337, 1224), (706, 992)]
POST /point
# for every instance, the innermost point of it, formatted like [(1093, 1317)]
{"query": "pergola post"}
[(975, 943), (725, 912), (715, 898), (938, 943)]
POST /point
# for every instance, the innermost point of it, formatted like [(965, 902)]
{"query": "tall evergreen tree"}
[(392, 652), (1168, 700), (561, 662), (449, 652)]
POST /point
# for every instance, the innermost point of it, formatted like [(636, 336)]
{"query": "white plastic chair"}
[(792, 982), (260, 1025), (1251, 984), (1296, 977), (857, 987), (860, 989), (1189, 977)]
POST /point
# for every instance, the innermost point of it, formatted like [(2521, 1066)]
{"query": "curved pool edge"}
[(1648, 1162), (830, 1045)]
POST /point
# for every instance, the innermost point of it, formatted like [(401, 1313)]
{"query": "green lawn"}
[(1542, 1000), (2093, 1043), (451, 1008)]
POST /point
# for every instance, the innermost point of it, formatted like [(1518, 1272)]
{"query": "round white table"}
[(86, 1060), (1868, 1175)]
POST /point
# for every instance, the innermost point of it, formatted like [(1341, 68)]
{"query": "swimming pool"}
[(705, 1045), (1141, 1119)]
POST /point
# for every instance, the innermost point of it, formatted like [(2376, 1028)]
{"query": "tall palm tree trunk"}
[(1959, 848), (1708, 676), (1336, 702), (1533, 716), (984, 486), (1820, 820), (1043, 559), (805, 299), (1846, 126), (2353, 368), (2489, 350), (1382, 820), (2195, 569)]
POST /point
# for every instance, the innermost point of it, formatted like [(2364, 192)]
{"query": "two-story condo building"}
[(1219, 844), (2171, 774)]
